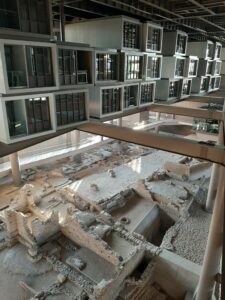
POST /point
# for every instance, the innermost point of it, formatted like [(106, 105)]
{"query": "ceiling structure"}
[(200, 19)]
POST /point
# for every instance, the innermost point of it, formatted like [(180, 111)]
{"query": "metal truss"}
[(201, 19)]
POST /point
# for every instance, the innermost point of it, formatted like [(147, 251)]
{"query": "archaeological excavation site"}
[(112, 154)]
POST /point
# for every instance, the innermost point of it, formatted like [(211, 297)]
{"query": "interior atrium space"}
[(112, 150)]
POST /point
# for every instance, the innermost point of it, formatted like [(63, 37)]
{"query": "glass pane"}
[(147, 93), (154, 39), (38, 115), (130, 35), (179, 67), (16, 118), (173, 89), (70, 108), (181, 43)]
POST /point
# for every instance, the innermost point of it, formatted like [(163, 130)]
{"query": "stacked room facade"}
[(210, 64), (127, 62), (178, 69), (43, 84), (106, 68)]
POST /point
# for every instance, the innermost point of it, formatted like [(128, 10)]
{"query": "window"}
[(16, 118), (179, 67), (70, 108), (181, 43), (34, 16), (9, 14), (106, 66), (186, 87), (203, 85), (217, 83), (218, 67), (84, 67), (147, 93), (153, 67), (173, 89), (211, 83), (67, 66), (209, 68), (130, 96), (111, 100), (130, 35), (16, 69), (193, 67), (39, 66), (38, 115), (218, 51), (154, 39), (133, 70), (209, 51)]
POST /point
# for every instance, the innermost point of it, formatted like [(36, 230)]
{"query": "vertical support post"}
[(214, 245), (214, 176), (69, 139), (213, 185), (121, 122), (158, 116), (15, 167), (62, 21), (76, 157), (223, 259), (157, 129), (77, 138)]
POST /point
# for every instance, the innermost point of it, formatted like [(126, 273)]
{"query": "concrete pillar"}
[(157, 129), (213, 185), (76, 157), (158, 116), (77, 138), (120, 123), (69, 139), (15, 167), (213, 250)]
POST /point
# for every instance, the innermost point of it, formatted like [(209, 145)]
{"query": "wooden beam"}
[(190, 112), (202, 150), (207, 99)]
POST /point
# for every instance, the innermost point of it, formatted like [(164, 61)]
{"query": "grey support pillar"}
[(213, 185), (158, 116), (77, 138), (15, 167), (76, 157), (213, 250), (69, 139)]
